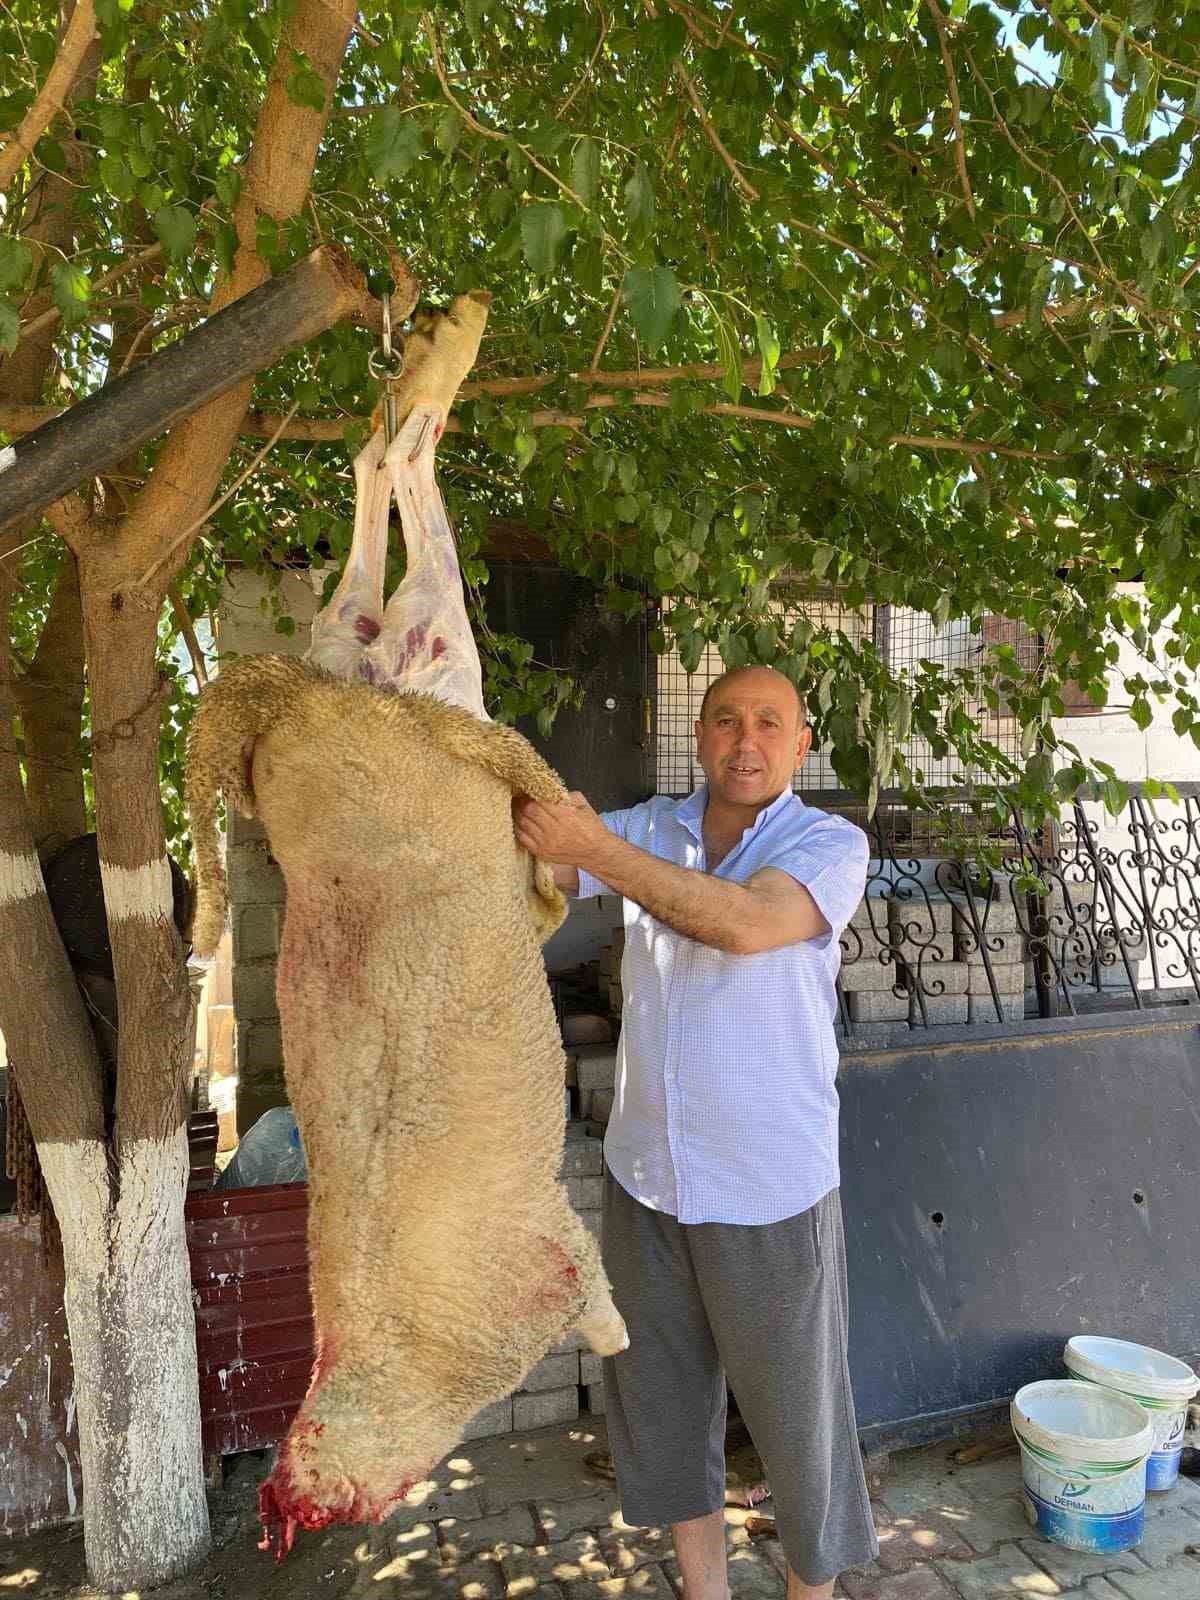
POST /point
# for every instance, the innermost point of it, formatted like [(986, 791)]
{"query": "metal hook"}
[(387, 364)]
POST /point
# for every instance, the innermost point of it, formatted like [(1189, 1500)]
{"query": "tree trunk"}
[(132, 1324), (50, 696)]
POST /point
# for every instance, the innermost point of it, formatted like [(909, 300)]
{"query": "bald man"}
[(722, 1230)]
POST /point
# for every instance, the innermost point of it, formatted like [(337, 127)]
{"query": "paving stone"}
[(487, 1537), (1071, 1567), (594, 1398), (1099, 1589), (551, 1465), (905, 1540), (591, 1369), (990, 1479), (561, 1518), (921, 1480), (995, 1523), (650, 1583), (1170, 1528), (1178, 1582), (921, 1583), (627, 1549), (1005, 1574), (472, 1580), (752, 1576), (583, 1158), (575, 1559)]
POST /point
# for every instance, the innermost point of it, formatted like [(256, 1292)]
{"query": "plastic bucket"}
[(1157, 1381), (1083, 1463)]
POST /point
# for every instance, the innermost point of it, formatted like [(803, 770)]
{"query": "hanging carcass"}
[(420, 1044)]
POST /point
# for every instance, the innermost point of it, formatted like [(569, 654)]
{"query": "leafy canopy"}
[(953, 245)]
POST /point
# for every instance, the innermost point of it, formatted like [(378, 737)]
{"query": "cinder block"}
[(594, 1398), (860, 945), (254, 991), (583, 1158), (591, 1367), (256, 933), (615, 997), (877, 1007), (552, 1372), (871, 912), (601, 1107), (869, 975), (1009, 976), (920, 919), (940, 979), (594, 1071), (1001, 912), (585, 1194), (618, 939), (591, 1221), (982, 1009), (545, 1409), (939, 1012), (263, 1050), (493, 1419), (254, 878), (572, 1341), (1000, 947)]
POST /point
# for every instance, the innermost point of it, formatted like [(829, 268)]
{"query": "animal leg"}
[(425, 642), (600, 1323), (352, 619)]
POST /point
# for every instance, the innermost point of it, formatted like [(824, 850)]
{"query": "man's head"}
[(752, 735)]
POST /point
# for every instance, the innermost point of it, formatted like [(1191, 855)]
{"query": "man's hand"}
[(567, 834)]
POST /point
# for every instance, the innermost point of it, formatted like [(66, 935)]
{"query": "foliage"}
[(953, 243)]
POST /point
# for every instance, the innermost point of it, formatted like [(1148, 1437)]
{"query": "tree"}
[(789, 297)]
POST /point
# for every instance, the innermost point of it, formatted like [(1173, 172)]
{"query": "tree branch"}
[(52, 315), (960, 144), (749, 192), (184, 623), (65, 68)]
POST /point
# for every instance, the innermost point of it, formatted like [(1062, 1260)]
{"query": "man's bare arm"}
[(767, 912)]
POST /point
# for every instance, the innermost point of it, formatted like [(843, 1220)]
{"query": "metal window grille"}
[(905, 638)]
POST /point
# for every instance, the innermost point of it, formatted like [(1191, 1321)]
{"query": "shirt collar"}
[(690, 812)]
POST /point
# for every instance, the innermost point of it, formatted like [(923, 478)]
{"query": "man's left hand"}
[(569, 833)]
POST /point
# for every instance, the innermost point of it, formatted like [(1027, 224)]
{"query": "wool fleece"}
[(422, 1058)]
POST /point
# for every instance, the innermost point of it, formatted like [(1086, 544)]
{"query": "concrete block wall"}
[(566, 1381)]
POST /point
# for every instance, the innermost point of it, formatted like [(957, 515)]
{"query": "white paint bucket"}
[(1157, 1381), (1083, 1463)]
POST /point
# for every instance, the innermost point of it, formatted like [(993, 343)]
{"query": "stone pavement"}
[(529, 1517), (526, 1517)]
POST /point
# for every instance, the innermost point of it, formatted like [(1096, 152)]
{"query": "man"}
[(722, 1231)]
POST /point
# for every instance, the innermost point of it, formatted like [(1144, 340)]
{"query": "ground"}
[(534, 1517)]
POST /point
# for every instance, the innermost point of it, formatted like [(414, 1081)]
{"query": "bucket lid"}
[(1132, 1368), (1079, 1422)]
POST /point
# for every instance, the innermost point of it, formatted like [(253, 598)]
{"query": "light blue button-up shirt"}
[(726, 1108)]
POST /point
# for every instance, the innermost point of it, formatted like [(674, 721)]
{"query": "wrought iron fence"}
[(1092, 913)]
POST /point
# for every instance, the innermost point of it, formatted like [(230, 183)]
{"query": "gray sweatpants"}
[(767, 1306)]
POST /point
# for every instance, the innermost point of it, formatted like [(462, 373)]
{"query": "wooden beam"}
[(177, 380)]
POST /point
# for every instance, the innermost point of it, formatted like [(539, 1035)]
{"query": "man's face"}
[(751, 739)]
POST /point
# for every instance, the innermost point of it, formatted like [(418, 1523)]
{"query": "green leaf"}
[(585, 170), (653, 297), (305, 85), (227, 185), (10, 328), (768, 347), (474, 11), (393, 144), (176, 228), (225, 243), (730, 355), (449, 131), (822, 556), (72, 291), (1184, 377), (16, 259), (1136, 118), (639, 199), (543, 229), (1141, 713)]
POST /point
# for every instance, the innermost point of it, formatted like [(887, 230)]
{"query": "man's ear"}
[(804, 742)]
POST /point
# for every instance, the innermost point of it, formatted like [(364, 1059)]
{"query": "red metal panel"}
[(254, 1331)]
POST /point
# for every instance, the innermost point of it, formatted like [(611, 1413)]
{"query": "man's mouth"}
[(742, 772)]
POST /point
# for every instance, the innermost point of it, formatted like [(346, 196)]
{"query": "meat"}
[(422, 1055)]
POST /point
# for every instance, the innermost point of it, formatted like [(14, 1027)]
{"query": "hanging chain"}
[(126, 727), (387, 363)]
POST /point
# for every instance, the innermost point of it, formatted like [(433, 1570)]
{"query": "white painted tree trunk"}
[(133, 1342)]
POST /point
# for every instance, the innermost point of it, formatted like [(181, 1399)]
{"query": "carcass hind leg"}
[(426, 642), (600, 1323), (345, 627)]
